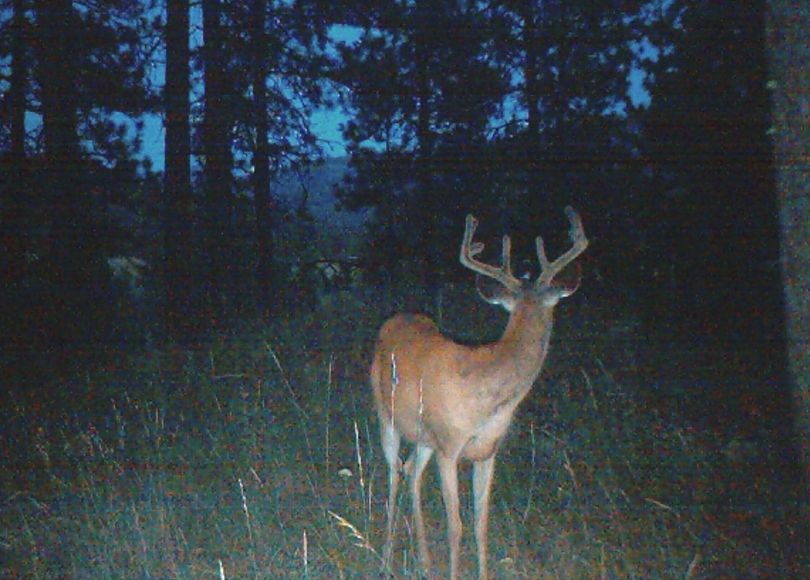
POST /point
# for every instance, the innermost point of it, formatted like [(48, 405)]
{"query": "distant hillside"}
[(316, 185)]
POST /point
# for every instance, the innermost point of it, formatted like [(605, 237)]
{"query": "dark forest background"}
[(170, 205), (509, 110)]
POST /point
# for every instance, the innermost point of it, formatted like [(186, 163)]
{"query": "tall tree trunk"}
[(263, 203), (532, 96), (562, 163), (789, 55), (74, 259), (218, 161), (12, 218), (177, 233), (424, 158)]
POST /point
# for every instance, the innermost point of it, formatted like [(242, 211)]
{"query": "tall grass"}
[(257, 456)]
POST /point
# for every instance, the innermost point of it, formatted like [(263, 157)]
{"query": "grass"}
[(258, 456)]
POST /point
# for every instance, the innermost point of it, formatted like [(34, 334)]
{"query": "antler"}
[(469, 250), (577, 235)]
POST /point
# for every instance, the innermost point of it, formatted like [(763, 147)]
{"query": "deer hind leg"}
[(415, 468), (482, 483), (390, 444), (448, 469)]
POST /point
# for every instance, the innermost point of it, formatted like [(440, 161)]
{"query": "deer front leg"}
[(448, 469), (482, 483)]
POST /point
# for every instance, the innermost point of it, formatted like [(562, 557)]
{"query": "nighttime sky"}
[(325, 122)]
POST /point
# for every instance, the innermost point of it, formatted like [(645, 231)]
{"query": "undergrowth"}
[(258, 456)]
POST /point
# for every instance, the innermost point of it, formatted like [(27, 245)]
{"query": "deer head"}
[(511, 290)]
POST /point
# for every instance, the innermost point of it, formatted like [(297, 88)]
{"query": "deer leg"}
[(390, 444), (417, 462), (448, 469), (482, 483)]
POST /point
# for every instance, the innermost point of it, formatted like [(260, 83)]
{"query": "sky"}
[(325, 125), (325, 122)]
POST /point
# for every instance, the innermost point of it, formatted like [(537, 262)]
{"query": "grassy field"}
[(257, 455)]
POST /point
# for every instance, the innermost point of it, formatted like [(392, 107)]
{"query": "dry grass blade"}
[(360, 540)]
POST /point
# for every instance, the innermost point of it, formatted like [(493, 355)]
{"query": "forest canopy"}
[(649, 117)]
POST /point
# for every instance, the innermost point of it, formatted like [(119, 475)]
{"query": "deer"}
[(456, 401)]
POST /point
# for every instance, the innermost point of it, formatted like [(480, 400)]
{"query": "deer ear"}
[(549, 297), (569, 281), (495, 293), (562, 287)]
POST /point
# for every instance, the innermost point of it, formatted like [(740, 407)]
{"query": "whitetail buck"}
[(457, 401)]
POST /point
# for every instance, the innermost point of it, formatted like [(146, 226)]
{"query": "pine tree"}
[(13, 192), (88, 66), (280, 77), (423, 91), (217, 130)]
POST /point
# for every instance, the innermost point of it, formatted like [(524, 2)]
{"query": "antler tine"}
[(541, 253), (469, 230), (506, 255), (470, 249), (580, 242)]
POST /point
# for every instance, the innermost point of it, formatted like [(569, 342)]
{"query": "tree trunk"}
[(424, 158), (74, 262), (532, 97), (263, 203), (177, 267), (789, 55), (12, 223), (218, 162), (18, 83)]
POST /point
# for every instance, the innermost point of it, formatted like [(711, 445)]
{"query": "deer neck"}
[(512, 364), (524, 343)]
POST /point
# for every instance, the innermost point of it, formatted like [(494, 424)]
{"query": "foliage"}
[(422, 91), (444, 123), (510, 110), (73, 172), (297, 80)]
